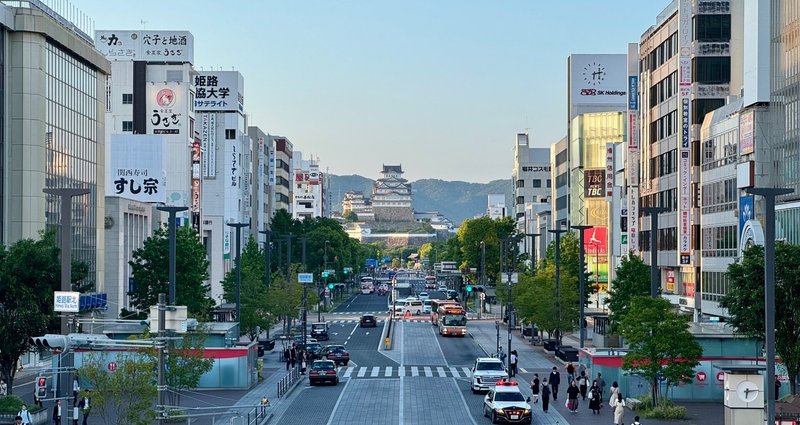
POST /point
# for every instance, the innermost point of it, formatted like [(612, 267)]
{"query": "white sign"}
[(66, 302), (305, 277), (684, 164), (598, 79), (208, 137), (219, 91), (137, 170), (149, 46), (167, 108)]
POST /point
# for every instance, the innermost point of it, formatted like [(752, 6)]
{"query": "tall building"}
[(496, 206), (260, 194), (391, 196), (532, 186), (281, 165), (308, 200), (685, 71), (559, 176), (52, 129)]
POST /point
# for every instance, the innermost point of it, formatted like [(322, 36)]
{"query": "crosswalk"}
[(359, 312), (348, 372), (380, 322)]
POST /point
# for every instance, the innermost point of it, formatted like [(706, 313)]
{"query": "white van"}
[(414, 306)]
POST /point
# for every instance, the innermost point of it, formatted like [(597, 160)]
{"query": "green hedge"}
[(10, 404), (665, 409)]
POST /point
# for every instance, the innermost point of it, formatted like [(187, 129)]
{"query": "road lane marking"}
[(338, 400), (463, 400), (401, 399), (349, 371), (401, 371), (414, 371), (467, 372), (388, 371), (454, 371), (362, 371), (440, 371), (428, 372), (522, 369), (436, 338), (375, 371)]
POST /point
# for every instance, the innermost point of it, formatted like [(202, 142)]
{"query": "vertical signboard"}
[(684, 163), (232, 173), (632, 165), (746, 132), (609, 187), (196, 177), (167, 108), (137, 170)]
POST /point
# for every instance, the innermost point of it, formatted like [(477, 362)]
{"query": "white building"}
[(261, 200), (496, 206), (308, 190), (531, 176)]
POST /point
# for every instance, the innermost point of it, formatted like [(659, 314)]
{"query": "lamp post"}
[(655, 281), (173, 211), (769, 194), (483, 264), (534, 251), (238, 227), (267, 256), (509, 267), (558, 233), (66, 195), (288, 258), (582, 281)]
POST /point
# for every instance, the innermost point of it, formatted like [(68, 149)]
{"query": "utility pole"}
[(288, 258), (558, 233), (655, 278), (238, 227), (162, 344), (582, 282), (267, 256), (769, 194), (483, 264), (534, 251), (173, 246), (509, 267)]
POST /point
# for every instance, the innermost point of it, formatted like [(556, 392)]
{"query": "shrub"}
[(665, 409), (10, 404)]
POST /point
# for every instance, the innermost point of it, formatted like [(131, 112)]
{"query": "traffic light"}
[(51, 341), (330, 286), (66, 342), (469, 288), (324, 274), (41, 387)]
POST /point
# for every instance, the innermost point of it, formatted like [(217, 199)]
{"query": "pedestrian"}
[(595, 398), (545, 396), (513, 364), (555, 380), (25, 416), (3, 387), (535, 388), (636, 421), (572, 397), (613, 398), (501, 355), (264, 403), (303, 360), (36, 400), (293, 356), (18, 420), (619, 409), (601, 384), (57, 413), (570, 373), (85, 407), (582, 381), (75, 412), (287, 356), (777, 388), (76, 386)]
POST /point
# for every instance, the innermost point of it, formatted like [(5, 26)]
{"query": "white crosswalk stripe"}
[(428, 372), (454, 371), (414, 371), (349, 372), (388, 371), (375, 371), (361, 372), (440, 371), (467, 372)]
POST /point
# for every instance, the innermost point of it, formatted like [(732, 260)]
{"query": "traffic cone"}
[(407, 315)]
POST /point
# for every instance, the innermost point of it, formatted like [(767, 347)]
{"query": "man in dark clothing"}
[(555, 380), (287, 356), (57, 413), (545, 396)]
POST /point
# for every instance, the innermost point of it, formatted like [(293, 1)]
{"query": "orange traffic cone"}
[(407, 315)]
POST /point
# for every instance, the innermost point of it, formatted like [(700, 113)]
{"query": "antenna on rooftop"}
[(144, 24)]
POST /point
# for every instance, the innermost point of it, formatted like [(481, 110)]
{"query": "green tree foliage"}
[(632, 279), (150, 270), (186, 364), (745, 301), (660, 343), (351, 216), (125, 396), (30, 270), (253, 292), (468, 243), (536, 301)]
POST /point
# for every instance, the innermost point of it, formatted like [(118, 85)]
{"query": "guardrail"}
[(286, 383)]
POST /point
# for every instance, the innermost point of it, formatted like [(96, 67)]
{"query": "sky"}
[(439, 86)]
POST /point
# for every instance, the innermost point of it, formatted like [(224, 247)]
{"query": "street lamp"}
[(267, 256), (534, 251), (510, 267), (238, 227), (321, 294), (655, 281), (172, 246), (769, 195), (582, 281), (558, 233)]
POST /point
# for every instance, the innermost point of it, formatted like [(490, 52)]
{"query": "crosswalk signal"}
[(469, 288), (41, 387), (330, 286)]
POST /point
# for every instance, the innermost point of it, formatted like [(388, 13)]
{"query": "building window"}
[(230, 134), (520, 183), (127, 98), (537, 183), (711, 70), (700, 107), (127, 126), (549, 183), (712, 28), (520, 200)]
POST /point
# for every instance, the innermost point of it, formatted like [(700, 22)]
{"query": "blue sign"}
[(371, 262), (387, 260), (94, 301), (746, 211), (633, 92)]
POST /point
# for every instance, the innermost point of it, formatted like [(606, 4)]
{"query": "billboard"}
[(609, 186), (136, 170), (598, 79), (595, 241), (746, 132), (168, 108), (208, 138), (632, 160), (594, 182), (149, 46), (220, 91), (684, 164)]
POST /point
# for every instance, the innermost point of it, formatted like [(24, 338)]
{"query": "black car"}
[(319, 331), (323, 371), (313, 349), (336, 353), (368, 321)]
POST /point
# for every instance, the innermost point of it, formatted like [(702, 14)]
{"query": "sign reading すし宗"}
[(66, 302), (136, 170), (219, 91)]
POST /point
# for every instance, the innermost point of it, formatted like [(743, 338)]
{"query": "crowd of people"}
[(295, 355)]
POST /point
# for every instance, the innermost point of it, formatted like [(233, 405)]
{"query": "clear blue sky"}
[(441, 86)]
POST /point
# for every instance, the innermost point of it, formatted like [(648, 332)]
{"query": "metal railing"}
[(286, 383)]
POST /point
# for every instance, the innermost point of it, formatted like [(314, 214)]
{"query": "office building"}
[(559, 176), (496, 206), (260, 195), (532, 187), (308, 200), (280, 178)]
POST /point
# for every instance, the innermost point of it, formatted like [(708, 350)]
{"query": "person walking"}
[(612, 400), (85, 407), (572, 397), (18, 420), (777, 388), (501, 355), (582, 384), (287, 356), (545, 396), (57, 413), (513, 363), (570, 368), (3, 387), (293, 356), (595, 398), (75, 412), (555, 380), (636, 421), (619, 409), (535, 388), (76, 387), (25, 415), (601, 384)]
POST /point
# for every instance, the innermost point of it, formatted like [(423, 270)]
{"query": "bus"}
[(435, 305), (452, 320), (367, 287)]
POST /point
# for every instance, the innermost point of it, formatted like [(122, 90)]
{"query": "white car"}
[(423, 296), (442, 288), (426, 307), (506, 403), (486, 372)]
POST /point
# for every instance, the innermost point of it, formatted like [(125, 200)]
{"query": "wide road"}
[(424, 379)]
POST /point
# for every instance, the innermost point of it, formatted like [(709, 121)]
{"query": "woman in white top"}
[(613, 398), (25, 415), (619, 409)]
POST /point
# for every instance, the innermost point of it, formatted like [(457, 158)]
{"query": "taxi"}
[(505, 403)]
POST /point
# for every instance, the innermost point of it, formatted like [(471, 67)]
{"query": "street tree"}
[(537, 300), (124, 396), (253, 292), (660, 344), (186, 363), (745, 301), (150, 271), (632, 279)]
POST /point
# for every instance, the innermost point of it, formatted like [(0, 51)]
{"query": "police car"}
[(486, 372), (506, 403)]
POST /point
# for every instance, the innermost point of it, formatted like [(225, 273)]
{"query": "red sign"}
[(701, 376), (720, 376), (595, 241), (112, 366)]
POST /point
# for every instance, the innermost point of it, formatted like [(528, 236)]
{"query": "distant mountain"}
[(456, 200)]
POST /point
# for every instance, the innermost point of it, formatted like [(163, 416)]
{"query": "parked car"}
[(323, 371), (368, 321), (336, 353)]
